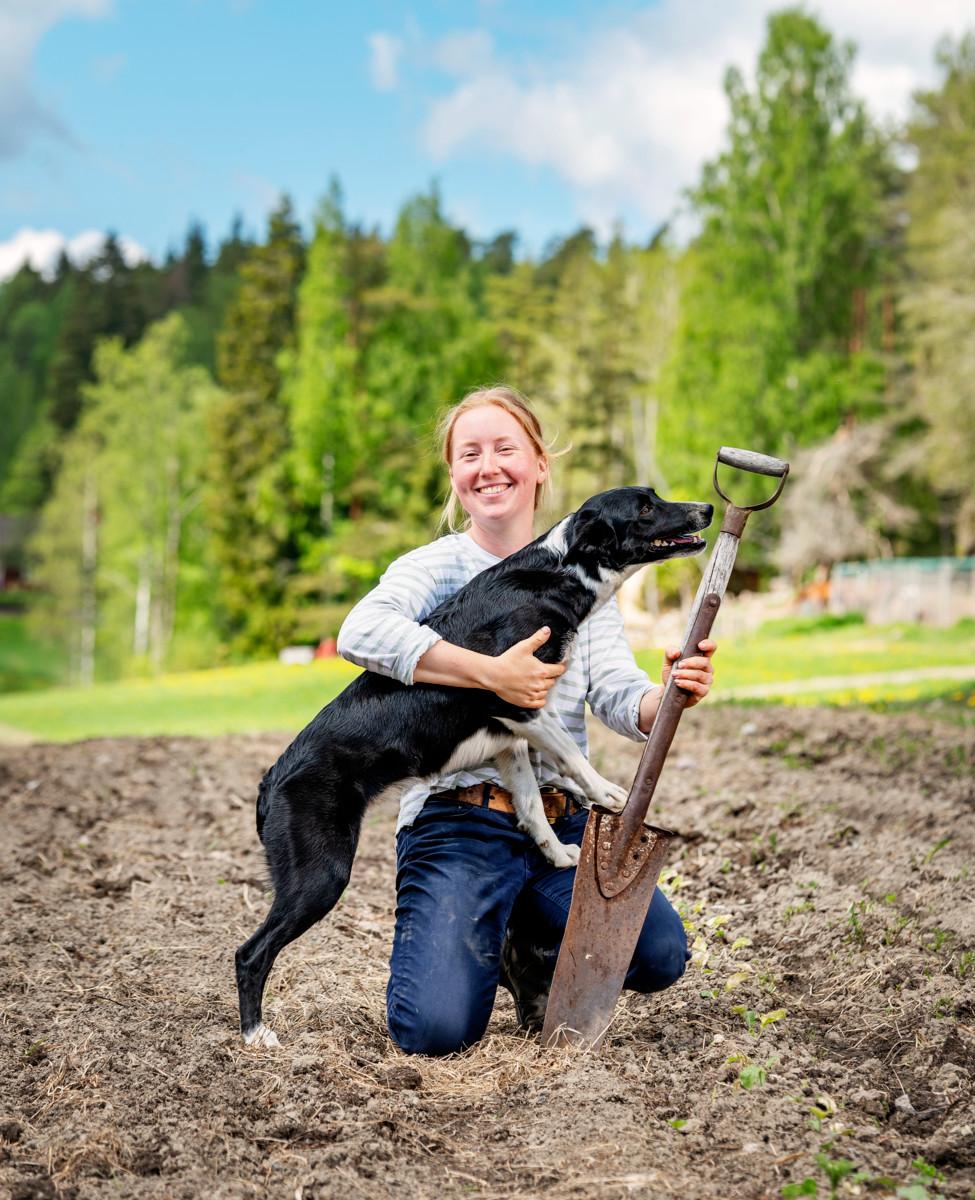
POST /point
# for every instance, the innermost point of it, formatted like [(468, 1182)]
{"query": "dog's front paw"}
[(562, 855), (610, 796), (260, 1035)]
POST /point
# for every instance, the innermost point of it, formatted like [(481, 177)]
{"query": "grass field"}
[(24, 662), (808, 649), (269, 697)]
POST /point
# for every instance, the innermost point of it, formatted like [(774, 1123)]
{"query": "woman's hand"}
[(694, 675), (519, 677)]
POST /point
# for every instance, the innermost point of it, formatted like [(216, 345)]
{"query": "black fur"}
[(379, 732)]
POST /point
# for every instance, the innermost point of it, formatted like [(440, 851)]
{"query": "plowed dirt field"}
[(827, 874)]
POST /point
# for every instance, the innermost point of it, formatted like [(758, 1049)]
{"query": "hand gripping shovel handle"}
[(621, 854)]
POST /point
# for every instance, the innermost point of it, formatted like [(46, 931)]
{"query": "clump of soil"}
[(825, 874)]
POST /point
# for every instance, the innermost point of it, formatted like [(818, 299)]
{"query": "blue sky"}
[(138, 115)]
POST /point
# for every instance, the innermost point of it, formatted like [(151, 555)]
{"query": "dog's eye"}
[(645, 511)]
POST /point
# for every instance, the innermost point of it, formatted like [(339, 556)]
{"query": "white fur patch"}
[(584, 579), (475, 751), (260, 1035), (555, 538), (398, 789)]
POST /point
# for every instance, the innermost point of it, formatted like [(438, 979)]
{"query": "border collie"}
[(380, 735)]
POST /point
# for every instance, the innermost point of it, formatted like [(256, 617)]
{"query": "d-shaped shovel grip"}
[(758, 464)]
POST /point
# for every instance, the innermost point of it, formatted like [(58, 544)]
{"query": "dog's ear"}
[(593, 532)]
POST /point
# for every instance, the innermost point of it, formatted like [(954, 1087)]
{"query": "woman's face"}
[(494, 467)]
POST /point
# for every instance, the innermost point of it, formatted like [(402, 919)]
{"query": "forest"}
[(213, 456)]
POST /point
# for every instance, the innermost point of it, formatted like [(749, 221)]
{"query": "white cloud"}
[(42, 248), (629, 120), (385, 51), (23, 115)]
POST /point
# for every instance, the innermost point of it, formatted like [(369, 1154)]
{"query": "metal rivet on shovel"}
[(614, 887)]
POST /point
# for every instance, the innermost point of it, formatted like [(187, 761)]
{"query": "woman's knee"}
[(661, 955), (431, 1031)]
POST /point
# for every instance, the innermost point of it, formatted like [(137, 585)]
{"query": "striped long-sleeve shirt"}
[(382, 633)]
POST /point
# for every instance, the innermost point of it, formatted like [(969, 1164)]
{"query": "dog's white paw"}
[(561, 855), (610, 796), (261, 1036)]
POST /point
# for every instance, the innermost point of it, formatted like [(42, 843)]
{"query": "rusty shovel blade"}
[(599, 940)]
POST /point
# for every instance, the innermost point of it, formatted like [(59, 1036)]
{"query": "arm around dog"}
[(382, 633)]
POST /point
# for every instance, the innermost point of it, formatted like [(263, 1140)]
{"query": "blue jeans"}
[(463, 874)]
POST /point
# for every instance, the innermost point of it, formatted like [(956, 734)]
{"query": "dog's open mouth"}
[(687, 541)]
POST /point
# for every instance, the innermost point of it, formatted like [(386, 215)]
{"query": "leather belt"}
[(556, 803)]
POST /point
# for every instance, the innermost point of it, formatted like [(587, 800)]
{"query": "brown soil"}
[(827, 871)]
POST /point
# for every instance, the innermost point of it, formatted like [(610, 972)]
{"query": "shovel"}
[(622, 853)]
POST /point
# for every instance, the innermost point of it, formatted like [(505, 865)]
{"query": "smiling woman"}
[(498, 464), (477, 904)]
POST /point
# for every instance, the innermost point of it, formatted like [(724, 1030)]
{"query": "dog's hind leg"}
[(514, 767), (543, 732), (307, 887)]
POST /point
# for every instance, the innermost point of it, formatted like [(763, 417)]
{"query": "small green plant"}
[(754, 1075), (858, 910), (748, 1015), (966, 963), (835, 1170), (755, 1022), (919, 1187), (944, 1006), (892, 932), (822, 1110), (939, 938), (807, 1187), (936, 847), (793, 910)]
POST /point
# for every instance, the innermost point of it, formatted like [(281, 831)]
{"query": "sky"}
[(138, 116)]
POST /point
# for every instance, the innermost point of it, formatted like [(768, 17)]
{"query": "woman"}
[(476, 902)]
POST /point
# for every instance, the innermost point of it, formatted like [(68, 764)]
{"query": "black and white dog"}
[(380, 735)]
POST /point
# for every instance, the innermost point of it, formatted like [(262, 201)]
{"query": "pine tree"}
[(249, 498)]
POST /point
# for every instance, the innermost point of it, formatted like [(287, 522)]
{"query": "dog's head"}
[(622, 529)]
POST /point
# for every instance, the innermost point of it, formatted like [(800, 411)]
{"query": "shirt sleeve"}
[(382, 632), (616, 683)]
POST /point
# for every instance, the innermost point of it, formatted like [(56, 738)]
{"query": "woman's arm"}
[(695, 675), (383, 633), (620, 692), (516, 676)]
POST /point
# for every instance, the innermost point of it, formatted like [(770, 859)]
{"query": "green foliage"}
[(801, 626), (121, 528), (25, 663), (776, 328), (779, 314), (247, 500), (938, 291)]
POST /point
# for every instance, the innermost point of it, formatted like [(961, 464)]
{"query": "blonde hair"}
[(511, 401)]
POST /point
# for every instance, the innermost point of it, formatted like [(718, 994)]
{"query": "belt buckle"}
[(551, 814)]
